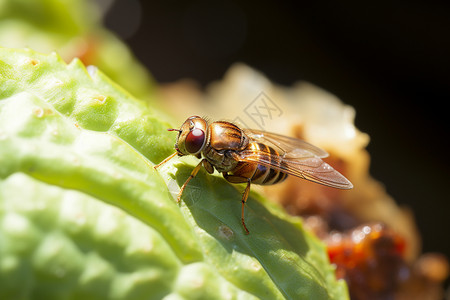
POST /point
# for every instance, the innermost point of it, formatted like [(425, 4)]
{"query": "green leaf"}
[(73, 28), (83, 214)]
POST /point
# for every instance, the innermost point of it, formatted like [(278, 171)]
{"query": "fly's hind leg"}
[(238, 179), (244, 200)]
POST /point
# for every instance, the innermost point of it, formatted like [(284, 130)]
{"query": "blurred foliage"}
[(73, 28)]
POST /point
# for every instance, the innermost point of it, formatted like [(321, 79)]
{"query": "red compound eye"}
[(195, 140)]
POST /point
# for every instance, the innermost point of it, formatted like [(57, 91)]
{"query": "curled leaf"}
[(84, 214)]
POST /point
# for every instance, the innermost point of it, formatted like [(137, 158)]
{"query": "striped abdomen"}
[(258, 174)]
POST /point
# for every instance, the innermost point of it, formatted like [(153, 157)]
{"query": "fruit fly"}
[(251, 156)]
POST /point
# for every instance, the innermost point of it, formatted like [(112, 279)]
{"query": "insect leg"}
[(240, 179), (193, 173), (244, 200), (165, 160)]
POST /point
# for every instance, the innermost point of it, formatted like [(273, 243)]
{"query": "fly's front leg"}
[(239, 179), (193, 174), (165, 160)]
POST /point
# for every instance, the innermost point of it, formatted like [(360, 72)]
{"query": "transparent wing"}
[(288, 147), (309, 168), (297, 158)]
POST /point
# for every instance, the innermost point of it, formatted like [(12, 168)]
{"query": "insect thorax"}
[(224, 138)]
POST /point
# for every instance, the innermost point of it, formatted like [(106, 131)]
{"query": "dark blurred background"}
[(390, 60)]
